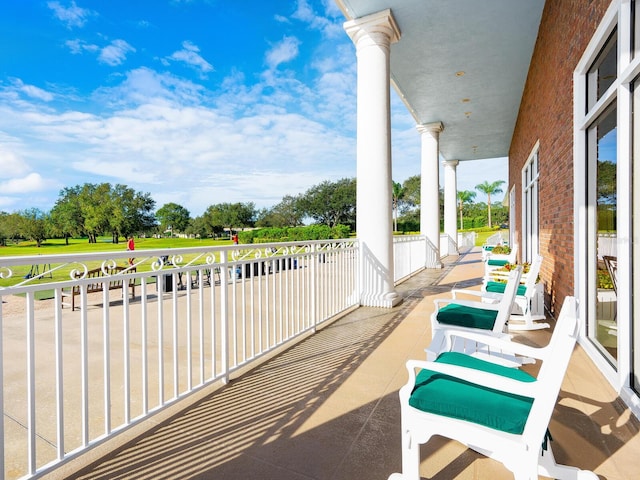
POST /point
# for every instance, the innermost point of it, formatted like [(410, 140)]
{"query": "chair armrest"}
[(466, 291), (504, 344), (477, 377)]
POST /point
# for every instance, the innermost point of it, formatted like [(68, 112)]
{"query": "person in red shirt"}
[(131, 246)]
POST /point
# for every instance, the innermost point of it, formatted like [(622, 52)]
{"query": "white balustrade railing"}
[(448, 245), (74, 377), (467, 239), (409, 255)]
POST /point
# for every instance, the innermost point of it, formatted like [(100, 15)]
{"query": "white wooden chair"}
[(495, 261), (491, 242), (522, 316), (473, 316), (500, 412)]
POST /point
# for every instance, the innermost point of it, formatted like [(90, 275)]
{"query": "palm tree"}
[(490, 189), (397, 194), (464, 196)]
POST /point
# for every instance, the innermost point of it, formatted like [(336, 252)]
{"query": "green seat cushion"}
[(499, 287), (464, 316), (497, 263), (451, 397)]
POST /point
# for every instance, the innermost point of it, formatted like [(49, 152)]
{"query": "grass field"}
[(104, 244), (482, 236)]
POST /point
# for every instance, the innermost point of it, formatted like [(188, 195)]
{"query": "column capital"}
[(435, 127), (451, 163), (379, 28)]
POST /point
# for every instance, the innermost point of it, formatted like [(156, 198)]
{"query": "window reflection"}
[(604, 329), (603, 72)]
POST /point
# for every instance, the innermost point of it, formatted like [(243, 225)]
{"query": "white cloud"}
[(115, 53), (190, 55), (33, 91), (122, 172), (282, 52), (163, 134), (332, 9), (33, 182), (78, 46), (144, 85), (304, 13), (38, 93), (11, 164), (72, 16)]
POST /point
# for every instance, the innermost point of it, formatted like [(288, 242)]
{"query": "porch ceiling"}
[(490, 41)]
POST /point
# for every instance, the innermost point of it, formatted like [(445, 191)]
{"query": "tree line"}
[(94, 210)]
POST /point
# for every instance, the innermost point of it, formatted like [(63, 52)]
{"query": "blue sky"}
[(196, 102)]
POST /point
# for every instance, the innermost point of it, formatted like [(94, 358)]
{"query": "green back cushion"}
[(497, 263), (499, 287), (463, 316), (450, 397)]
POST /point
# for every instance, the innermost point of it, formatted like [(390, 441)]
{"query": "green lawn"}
[(54, 247), (482, 236)]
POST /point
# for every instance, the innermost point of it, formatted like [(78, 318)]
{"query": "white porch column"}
[(372, 36), (451, 202), (429, 191)]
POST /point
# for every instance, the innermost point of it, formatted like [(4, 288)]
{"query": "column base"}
[(383, 300)]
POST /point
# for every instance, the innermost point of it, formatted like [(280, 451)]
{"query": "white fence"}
[(409, 255), (607, 244), (72, 378)]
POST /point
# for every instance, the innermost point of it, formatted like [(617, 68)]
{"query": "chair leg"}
[(526, 321), (548, 467), (410, 457)]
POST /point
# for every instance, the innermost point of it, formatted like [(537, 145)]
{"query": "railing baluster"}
[(84, 368), (2, 440), (174, 334), (224, 317), (189, 333), (59, 375), (234, 313), (201, 319), (31, 383), (252, 307), (214, 326), (106, 363), (159, 291), (126, 341), (144, 314)]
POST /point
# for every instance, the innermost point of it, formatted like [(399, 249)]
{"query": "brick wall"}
[(546, 115)]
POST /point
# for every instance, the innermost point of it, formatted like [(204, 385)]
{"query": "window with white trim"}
[(530, 208)]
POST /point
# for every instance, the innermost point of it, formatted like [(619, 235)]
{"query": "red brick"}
[(546, 115)]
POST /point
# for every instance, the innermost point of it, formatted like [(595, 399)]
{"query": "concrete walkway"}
[(328, 409)]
